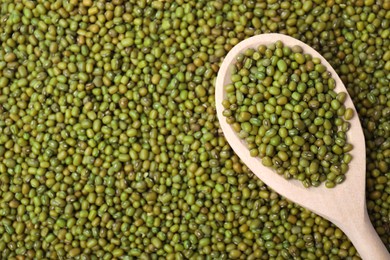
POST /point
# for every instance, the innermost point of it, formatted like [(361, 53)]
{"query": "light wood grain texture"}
[(343, 205)]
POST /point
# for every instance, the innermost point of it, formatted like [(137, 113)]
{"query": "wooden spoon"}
[(343, 205)]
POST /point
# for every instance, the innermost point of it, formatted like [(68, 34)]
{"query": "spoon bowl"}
[(344, 205)]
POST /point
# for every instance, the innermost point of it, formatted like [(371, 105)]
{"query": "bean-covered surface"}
[(109, 143)]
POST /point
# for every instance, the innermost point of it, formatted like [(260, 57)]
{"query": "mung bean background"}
[(109, 143)]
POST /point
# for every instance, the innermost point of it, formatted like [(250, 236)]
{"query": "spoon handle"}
[(366, 240)]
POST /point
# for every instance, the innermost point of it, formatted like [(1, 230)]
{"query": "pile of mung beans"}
[(109, 143), (282, 103)]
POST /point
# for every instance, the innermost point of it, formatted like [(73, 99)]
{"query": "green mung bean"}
[(143, 73)]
